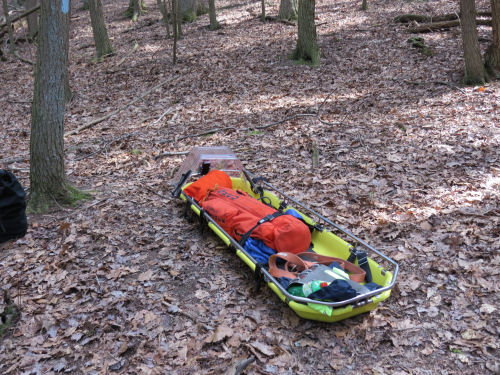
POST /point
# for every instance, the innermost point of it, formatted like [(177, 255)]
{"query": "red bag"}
[(241, 215), (198, 190)]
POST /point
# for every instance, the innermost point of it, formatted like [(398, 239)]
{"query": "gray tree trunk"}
[(164, 15), (47, 174), (307, 49), (475, 72), (85, 4), (32, 18), (175, 15), (9, 26), (492, 56), (101, 39), (288, 10), (135, 9), (214, 25)]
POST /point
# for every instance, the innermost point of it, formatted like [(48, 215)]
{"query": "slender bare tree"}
[(101, 38), (474, 67), (492, 56)]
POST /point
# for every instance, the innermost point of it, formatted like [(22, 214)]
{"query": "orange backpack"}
[(243, 216)]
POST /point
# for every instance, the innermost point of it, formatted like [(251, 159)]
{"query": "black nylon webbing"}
[(265, 219)]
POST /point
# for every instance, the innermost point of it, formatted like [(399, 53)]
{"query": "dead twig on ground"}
[(238, 367), (442, 83), (261, 127), (208, 132), (165, 154), (23, 59), (101, 119), (12, 160)]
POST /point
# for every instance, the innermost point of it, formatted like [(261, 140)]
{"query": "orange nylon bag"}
[(241, 215), (198, 190)]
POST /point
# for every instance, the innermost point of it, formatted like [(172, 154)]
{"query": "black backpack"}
[(13, 222)]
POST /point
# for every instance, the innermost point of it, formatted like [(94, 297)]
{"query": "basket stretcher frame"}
[(341, 310)]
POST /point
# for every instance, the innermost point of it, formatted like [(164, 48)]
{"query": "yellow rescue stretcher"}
[(323, 239)]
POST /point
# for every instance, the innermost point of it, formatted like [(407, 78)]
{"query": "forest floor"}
[(409, 161)]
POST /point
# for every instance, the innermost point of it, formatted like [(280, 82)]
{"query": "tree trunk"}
[(9, 26), (101, 39), (288, 10), (475, 72), (189, 10), (135, 9), (47, 175), (492, 56), (307, 45), (85, 5), (175, 14), (214, 25), (164, 15), (32, 18)]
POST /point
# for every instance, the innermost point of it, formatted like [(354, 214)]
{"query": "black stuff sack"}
[(13, 222)]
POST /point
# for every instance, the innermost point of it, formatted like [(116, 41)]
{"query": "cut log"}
[(406, 18), (434, 26)]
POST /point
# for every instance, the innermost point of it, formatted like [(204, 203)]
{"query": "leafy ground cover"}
[(408, 159)]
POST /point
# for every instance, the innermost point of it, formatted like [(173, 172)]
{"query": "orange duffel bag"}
[(243, 216)]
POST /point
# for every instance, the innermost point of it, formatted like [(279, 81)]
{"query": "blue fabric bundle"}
[(258, 250)]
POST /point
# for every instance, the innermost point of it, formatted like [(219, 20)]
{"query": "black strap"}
[(265, 219), (176, 193), (203, 222), (362, 258), (258, 277)]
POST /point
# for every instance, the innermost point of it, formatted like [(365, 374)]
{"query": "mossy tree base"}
[(135, 9), (310, 57), (41, 202)]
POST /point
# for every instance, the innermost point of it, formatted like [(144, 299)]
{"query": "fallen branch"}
[(22, 15), (443, 83), (23, 59), (134, 48), (430, 27), (165, 154), (12, 160), (101, 119), (262, 127), (406, 18), (238, 367), (208, 132)]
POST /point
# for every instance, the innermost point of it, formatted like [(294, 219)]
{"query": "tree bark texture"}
[(47, 174), (32, 18), (164, 15), (9, 26), (214, 25), (474, 68), (175, 14), (135, 9), (288, 10), (492, 56), (307, 49), (101, 39)]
